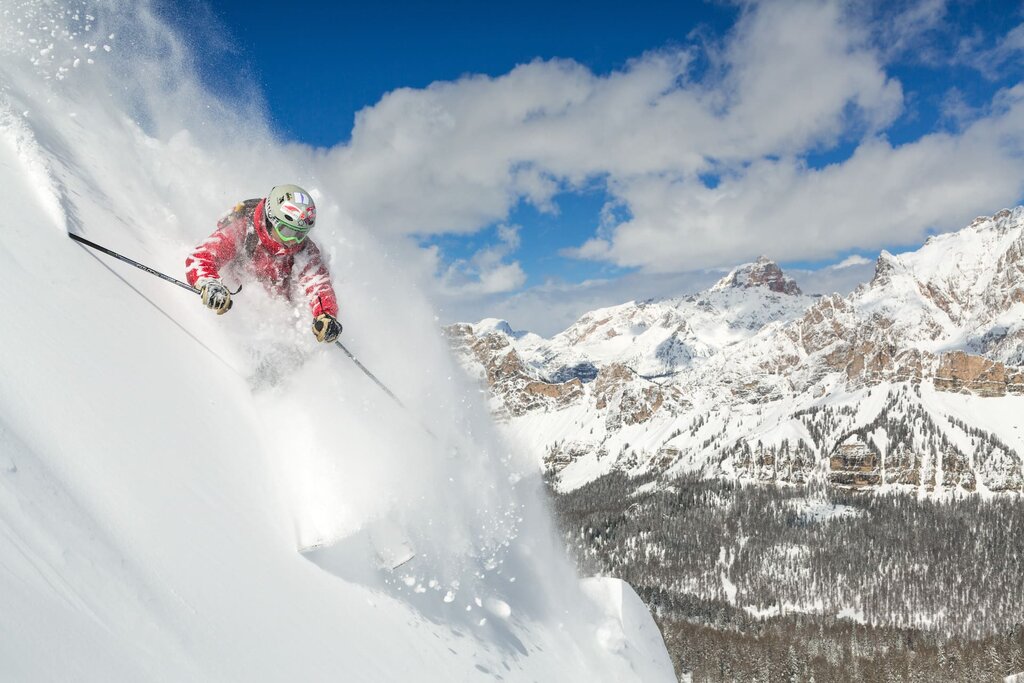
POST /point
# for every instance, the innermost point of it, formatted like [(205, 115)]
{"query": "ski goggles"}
[(286, 233)]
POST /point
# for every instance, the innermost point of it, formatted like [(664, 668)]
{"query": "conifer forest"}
[(754, 582)]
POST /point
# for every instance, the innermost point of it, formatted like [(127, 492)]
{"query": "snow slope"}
[(152, 501)]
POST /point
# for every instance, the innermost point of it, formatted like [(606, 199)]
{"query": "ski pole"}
[(168, 278), (369, 374), (164, 313), (381, 385)]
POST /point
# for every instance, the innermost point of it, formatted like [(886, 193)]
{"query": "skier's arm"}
[(206, 260), (314, 282)]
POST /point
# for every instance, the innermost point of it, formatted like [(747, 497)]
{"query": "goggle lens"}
[(288, 234)]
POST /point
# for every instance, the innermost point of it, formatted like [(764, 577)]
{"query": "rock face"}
[(505, 372), (854, 464), (625, 401), (762, 273), (752, 379), (968, 374)]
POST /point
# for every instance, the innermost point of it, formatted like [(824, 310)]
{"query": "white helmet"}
[(290, 214)]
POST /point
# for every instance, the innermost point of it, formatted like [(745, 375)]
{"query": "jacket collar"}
[(269, 243)]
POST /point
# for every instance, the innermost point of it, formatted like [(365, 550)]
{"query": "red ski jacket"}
[(241, 238)]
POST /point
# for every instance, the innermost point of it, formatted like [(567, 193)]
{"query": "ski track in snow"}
[(153, 496)]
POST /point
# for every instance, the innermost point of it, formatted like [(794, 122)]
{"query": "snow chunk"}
[(498, 608)]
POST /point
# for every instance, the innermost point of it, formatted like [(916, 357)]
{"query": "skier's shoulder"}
[(242, 210)]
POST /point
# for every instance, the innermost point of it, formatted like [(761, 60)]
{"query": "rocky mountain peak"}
[(885, 266), (1000, 222), (1007, 219), (761, 273), (492, 325)]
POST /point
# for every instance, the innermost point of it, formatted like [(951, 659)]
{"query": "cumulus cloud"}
[(884, 194), (457, 155), (852, 261), (487, 271), (704, 148)]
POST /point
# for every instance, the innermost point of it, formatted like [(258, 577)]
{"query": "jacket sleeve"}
[(314, 281), (220, 248)]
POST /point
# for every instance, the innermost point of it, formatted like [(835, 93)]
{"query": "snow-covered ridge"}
[(744, 381), (959, 290), (152, 503), (661, 338)]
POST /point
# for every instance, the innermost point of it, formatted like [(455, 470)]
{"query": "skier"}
[(269, 239)]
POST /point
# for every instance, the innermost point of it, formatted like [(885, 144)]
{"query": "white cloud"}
[(795, 70), (913, 30), (486, 271), (504, 277), (882, 195), (989, 59), (790, 79), (457, 156), (851, 261)]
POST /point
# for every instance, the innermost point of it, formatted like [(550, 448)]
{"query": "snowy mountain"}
[(154, 497), (652, 339), (911, 381)]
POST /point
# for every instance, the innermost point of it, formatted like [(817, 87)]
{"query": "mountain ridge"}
[(635, 386)]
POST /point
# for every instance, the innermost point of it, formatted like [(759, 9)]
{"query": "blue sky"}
[(346, 55), (809, 131)]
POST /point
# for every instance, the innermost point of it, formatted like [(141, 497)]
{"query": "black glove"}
[(215, 295), (326, 328)]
